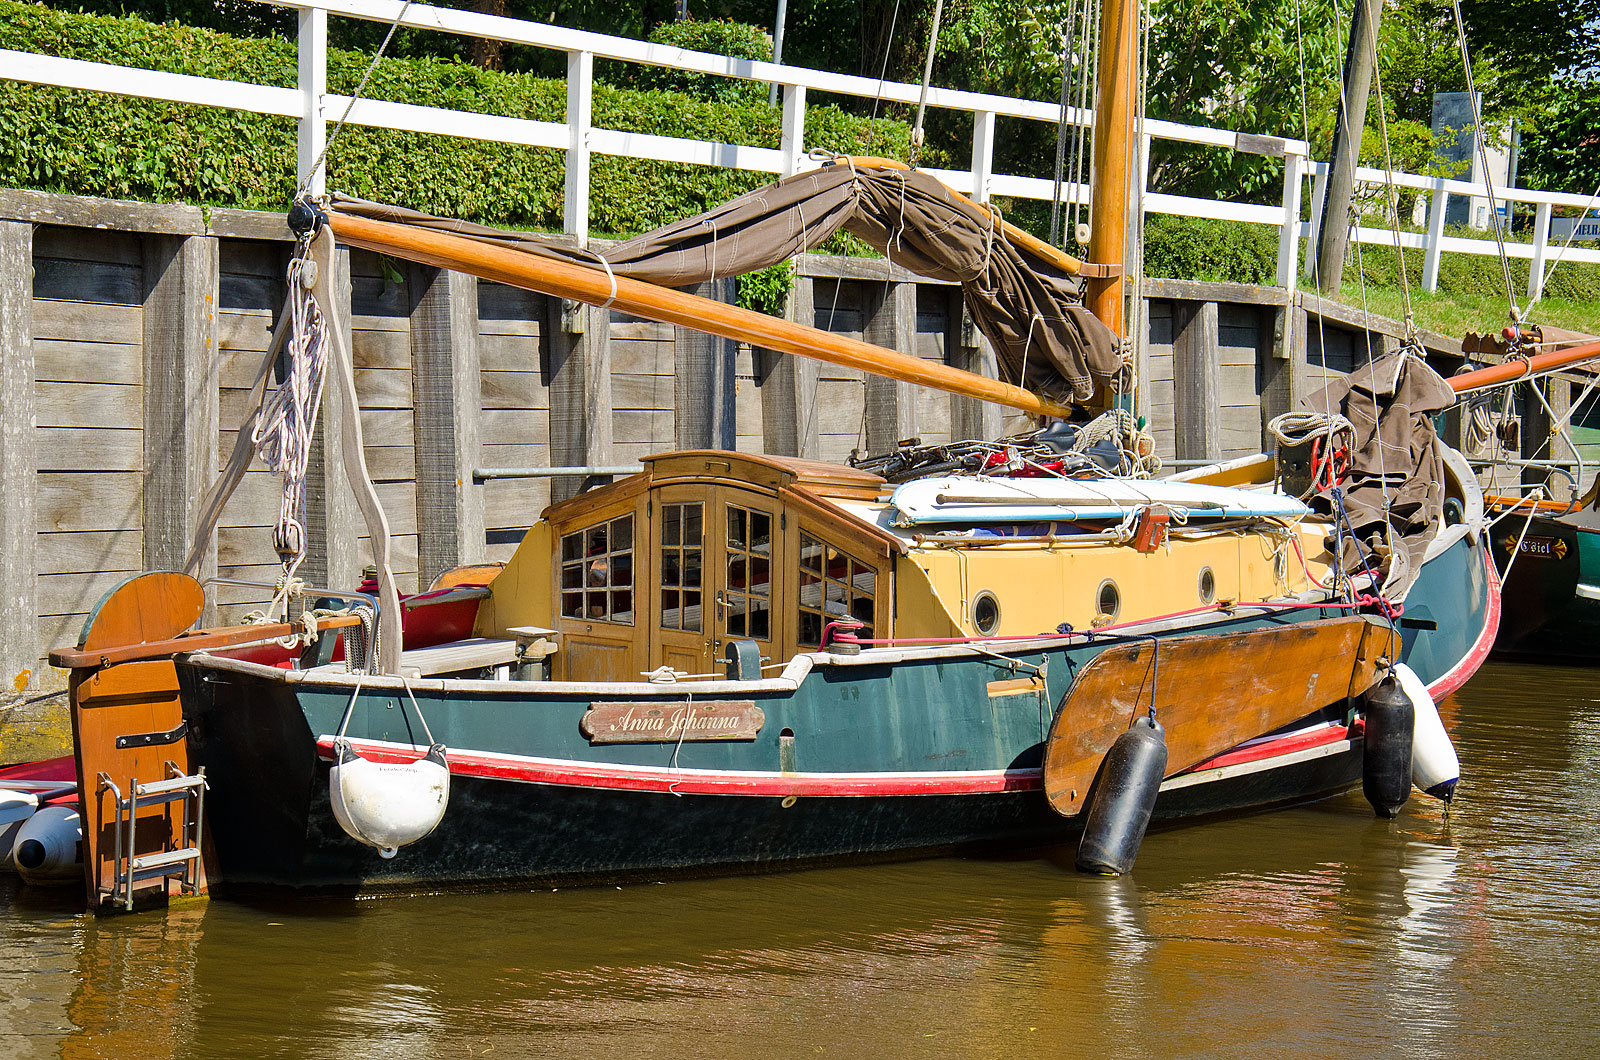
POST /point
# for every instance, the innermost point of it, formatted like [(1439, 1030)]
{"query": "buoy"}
[(15, 809), (1386, 747), (49, 846), (388, 805), (1124, 795), (1435, 768)]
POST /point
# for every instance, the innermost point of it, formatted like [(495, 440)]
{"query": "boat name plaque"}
[(1536, 547), (672, 722)]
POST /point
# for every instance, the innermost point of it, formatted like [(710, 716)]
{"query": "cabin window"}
[(597, 572), (682, 544), (833, 585), (748, 590)]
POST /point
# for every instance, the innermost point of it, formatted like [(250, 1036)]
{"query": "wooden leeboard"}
[(129, 699), (1213, 692)]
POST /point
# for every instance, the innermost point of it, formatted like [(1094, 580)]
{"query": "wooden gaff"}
[(1511, 370), (584, 283)]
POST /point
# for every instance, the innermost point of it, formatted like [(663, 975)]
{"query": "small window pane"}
[(622, 571), (691, 608), (691, 524), (572, 605), (760, 531), (736, 527), (622, 534), (671, 530), (572, 547)]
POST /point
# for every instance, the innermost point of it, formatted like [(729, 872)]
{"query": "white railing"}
[(314, 107)]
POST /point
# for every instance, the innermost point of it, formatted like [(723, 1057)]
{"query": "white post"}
[(982, 154), (1541, 250), (313, 83), (580, 100), (1289, 229), (1437, 204), (793, 142)]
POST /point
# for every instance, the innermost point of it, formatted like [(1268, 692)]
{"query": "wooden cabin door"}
[(716, 574)]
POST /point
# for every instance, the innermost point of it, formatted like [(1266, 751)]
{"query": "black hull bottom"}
[(272, 829)]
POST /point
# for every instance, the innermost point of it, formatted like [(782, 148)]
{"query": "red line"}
[(1462, 671), (561, 773)]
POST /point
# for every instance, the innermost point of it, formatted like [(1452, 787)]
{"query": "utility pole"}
[(1333, 233)]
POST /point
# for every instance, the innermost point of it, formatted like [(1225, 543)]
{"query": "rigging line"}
[(1393, 196), (1061, 133), (1483, 158), (883, 73), (1082, 144), (1562, 252), (927, 76), (360, 87)]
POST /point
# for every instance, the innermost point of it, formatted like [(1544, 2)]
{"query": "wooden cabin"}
[(703, 548)]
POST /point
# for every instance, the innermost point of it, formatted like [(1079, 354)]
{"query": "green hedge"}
[(86, 143)]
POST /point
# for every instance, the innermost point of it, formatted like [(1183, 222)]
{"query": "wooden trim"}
[(208, 640)]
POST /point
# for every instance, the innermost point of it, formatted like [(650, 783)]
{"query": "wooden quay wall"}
[(131, 333)]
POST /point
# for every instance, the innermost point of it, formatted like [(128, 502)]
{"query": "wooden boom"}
[(584, 283), (1510, 370)]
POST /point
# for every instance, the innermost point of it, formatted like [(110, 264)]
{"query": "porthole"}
[(1208, 586), (985, 613), (1108, 601)]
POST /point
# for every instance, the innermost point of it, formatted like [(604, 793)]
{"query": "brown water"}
[(1316, 932)]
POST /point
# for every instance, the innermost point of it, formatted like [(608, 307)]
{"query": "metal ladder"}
[(183, 860)]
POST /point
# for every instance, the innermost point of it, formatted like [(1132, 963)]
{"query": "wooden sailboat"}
[(733, 663)]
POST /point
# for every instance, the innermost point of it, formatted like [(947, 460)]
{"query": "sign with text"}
[(684, 721), (1536, 547)]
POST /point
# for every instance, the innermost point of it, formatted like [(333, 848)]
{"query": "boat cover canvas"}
[(1030, 310), (1394, 495)]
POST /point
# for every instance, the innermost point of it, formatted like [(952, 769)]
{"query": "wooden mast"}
[(1113, 114), (585, 283)]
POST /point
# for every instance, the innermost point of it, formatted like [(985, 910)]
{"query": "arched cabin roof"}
[(810, 485)]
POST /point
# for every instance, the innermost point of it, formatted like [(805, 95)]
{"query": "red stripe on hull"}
[(1462, 671), (565, 773)]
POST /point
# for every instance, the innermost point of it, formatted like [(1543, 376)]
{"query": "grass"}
[(1455, 314)]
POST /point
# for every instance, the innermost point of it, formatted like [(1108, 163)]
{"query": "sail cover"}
[(1394, 495), (1030, 309)]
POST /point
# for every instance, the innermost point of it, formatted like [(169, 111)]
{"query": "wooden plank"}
[(644, 358), (87, 281), (114, 405), (79, 361), (648, 425), (514, 502), (581, 430), (514, 455), (384, 388), (513, 390), (236, 291), (19, 511), (381, 349), (1211, 693), (1195, 381), (249, 257), (114, 245), (237, 368), (789, 389), (703, 385), (90, 500), (514, 426), (69, 449), (891, 405), (391, 463), (180, 396), (61, 594), (500, 306), (58, 319), (245, 329), (632, 329), (391, 425), (509, 353), (448, 384), (243, 546)]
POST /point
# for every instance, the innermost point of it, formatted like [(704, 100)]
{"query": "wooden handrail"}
[(584, 283), (226, 637)]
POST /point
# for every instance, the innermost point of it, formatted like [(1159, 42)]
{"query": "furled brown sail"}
[(1020, 293)]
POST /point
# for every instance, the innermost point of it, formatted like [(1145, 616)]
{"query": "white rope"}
[(283, 432), (348, 107)]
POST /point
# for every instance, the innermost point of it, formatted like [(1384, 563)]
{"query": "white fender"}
[(49, 846), (1434, 765), (388, 804), (15, 809)]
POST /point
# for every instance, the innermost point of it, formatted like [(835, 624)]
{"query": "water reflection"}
[(1313, 932)]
